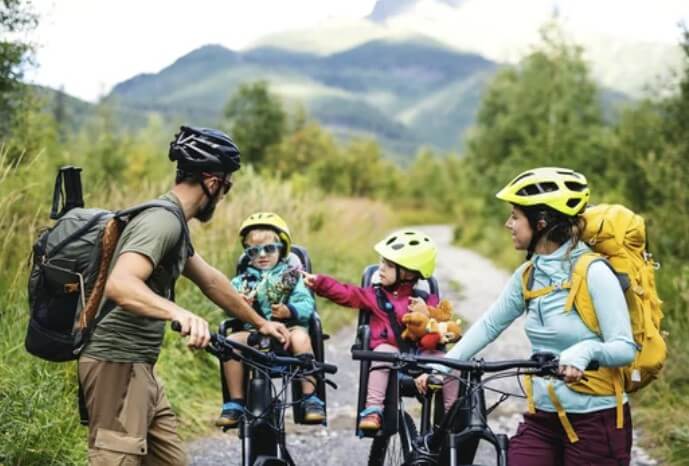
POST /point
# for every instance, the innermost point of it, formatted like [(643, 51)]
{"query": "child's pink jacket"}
[(365, 298)]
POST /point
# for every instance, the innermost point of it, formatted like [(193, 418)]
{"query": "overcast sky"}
[(87, 46)]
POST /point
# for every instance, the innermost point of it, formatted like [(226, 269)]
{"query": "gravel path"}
[(472, 283)]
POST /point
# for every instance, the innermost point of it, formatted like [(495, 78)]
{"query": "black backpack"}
[(69, 259)]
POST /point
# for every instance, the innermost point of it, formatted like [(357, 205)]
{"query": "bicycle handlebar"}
[(539, 361), (268, 358)]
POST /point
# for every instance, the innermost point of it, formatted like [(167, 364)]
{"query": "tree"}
[(545, 111), (256, 120), (300, 149), (15, 18)]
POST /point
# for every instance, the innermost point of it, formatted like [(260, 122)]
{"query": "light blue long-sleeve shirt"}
[(298, 300), (550, 328)]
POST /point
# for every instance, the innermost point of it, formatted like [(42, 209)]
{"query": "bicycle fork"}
[(466, 424)]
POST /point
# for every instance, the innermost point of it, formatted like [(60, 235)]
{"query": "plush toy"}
[(430, 330)]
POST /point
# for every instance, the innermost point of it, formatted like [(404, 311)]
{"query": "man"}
[(130, 419)]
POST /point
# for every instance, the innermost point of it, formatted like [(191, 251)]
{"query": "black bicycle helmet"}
[(204, 149)]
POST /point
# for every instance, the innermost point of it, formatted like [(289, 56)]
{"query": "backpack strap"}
[(170, 206), (385, 304), (127, 214), (528, 281), (579, 297)]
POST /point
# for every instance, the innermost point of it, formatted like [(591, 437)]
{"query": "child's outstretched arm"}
[(343, 294), (301, 303)]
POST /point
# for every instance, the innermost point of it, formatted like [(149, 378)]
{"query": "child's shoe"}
[(371, 419), (231, 414), (314, 409)]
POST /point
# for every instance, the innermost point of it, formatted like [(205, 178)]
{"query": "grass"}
[(38, 414)]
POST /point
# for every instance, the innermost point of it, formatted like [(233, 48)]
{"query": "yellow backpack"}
[(618, 236)]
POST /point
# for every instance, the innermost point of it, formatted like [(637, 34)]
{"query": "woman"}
[(546, 223)]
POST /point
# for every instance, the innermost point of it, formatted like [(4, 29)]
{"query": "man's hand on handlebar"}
[(277, 330), (194, 327)]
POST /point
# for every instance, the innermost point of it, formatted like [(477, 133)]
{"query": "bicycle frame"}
[(262, 428), (455, 440)]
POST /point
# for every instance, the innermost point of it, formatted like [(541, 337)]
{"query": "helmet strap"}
[(398, 277), (206, 211)]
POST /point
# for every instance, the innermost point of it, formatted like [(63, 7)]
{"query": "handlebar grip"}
[(329, 368), (366, 355), (176, 325)]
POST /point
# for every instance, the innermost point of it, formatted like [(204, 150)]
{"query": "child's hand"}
[(421, 383), (309, 279), (418, 305), (280, 311)]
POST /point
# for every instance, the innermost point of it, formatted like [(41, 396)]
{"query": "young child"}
[(276, 290), (405, 257)]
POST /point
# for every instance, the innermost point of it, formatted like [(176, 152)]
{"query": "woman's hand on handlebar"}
[(570, 374), (276, 330), (194, 327)]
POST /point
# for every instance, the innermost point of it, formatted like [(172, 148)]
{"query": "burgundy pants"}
[(541, 441)]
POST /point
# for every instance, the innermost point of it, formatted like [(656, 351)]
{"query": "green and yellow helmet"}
[(409, 249), (561, 189), (270, 221)]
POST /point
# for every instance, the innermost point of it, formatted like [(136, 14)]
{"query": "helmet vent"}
[(573, 202), (391, 240), (414, 243), (574, 186), (548, 187), (521, 177), (397, 246), (537, 188)]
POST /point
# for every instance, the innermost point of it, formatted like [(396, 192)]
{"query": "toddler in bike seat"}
[(275, 288), (405, 257)]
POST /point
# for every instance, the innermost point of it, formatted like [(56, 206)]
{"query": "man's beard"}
[(206, 213)]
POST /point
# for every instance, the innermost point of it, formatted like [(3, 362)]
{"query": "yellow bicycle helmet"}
[(561, 189), (409, 249), (271, 221)]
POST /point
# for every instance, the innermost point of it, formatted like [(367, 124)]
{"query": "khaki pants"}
[(130, 419)]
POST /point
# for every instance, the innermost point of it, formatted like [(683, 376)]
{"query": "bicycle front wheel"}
[(389, 450)]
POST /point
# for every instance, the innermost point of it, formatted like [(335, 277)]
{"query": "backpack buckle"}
[(563, 285)]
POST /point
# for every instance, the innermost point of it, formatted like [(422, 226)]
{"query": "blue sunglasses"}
[(268, 249)]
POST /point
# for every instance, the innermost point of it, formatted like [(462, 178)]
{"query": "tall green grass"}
[(38, 412)]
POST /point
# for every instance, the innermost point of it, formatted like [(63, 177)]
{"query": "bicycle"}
[(453, 438), (262, 428)]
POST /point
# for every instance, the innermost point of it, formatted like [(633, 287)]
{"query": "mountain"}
[(382, 88), (504, 31)]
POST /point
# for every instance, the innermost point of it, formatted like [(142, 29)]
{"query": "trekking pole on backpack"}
[(67, 193)]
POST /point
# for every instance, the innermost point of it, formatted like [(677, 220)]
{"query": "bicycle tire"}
[(383, 453)]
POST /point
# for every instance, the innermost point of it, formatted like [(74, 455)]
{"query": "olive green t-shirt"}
[(124, 336)]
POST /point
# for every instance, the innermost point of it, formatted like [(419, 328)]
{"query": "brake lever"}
[(331, 383)]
